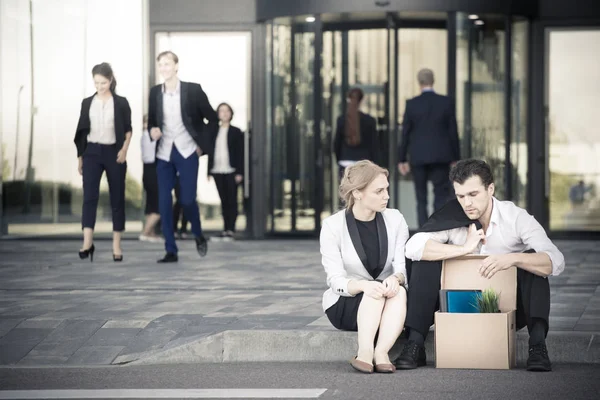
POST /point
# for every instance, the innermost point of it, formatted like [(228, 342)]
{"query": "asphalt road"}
[(326, 381)]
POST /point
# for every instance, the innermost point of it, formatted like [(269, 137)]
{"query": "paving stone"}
[(95, 355), (155, 336), (25, 336), (7, 324), (141, 324), (103, 306), (14, 352), (112, 337), (587, 327), (40, 323), (37, 360)]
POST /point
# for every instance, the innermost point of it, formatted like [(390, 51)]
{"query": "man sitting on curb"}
[(479, 223)]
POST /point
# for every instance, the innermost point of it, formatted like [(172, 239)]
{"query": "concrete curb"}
[(326, 346)]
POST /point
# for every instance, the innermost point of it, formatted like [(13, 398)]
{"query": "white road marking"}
[(162, 394)]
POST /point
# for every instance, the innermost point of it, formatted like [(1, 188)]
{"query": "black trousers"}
[(533, 297), (442, 188), (150, 181), (97, 159), (227, 188)]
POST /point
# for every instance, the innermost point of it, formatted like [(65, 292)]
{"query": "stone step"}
[(326, 346)]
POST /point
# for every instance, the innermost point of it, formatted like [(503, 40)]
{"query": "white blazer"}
[(344, 258)]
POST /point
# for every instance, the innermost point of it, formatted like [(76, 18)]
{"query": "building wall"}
[(572, 9), (202, 12)]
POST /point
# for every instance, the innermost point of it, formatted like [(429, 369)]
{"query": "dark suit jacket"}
[(235, 144), (429, 131), (122, 122), (450, 216), (368, 149), (195, 107)]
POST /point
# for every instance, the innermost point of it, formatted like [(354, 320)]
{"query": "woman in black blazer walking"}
[(102, 139), (226, 166), (356, 135)]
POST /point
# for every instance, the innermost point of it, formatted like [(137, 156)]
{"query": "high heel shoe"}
[(117, 258), (88, 253)]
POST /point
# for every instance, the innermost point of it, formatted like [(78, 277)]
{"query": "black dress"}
[(343, 313)]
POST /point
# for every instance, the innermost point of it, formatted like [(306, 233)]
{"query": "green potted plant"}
[(488, 301)]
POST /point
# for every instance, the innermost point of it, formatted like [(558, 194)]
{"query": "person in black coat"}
[(226, 166), (102, 140), (430, 144), (176, 114), (356, 135)]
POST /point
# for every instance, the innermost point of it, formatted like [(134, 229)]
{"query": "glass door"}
[(293, 151), (352, 59), (418, 48), (227, 80), (572, 98)]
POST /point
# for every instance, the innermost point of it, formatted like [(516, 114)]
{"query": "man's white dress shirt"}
[(173, 129), (512, 230)]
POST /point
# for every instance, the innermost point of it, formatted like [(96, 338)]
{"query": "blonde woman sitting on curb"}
[(362, 250)]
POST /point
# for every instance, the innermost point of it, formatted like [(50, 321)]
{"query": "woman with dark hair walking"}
[(102, 140), (226, 166), (356, 134)]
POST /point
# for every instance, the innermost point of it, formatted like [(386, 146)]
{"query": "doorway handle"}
[(247, 161)]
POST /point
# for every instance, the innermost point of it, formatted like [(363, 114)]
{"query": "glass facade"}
[(384, 61), (573, 95), (519, 151), (482, 61), (46, 72), (481, 82)]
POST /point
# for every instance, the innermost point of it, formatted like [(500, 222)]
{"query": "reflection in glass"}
[(41, 185), (332, 108), (301, 148), (419, 48), (520, 81), (481, 89), (351, 59), (281, 124), (573, 95)]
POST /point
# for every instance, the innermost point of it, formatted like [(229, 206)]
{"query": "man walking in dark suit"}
[(429, 144), (176, 116)]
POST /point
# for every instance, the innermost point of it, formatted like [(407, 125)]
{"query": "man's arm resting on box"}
[(436, 251), (434, 247), (537, 263)]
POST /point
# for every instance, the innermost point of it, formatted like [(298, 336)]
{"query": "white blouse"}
[(102, 121)]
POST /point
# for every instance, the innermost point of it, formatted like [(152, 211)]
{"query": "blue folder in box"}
[(462, 301)]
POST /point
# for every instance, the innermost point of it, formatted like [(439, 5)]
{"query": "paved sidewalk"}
[(58, 310)]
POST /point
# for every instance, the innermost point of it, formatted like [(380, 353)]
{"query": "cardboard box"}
[(477, 341)]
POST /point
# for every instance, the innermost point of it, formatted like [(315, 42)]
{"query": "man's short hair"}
[(425, 77), (169, 54), (465, 169)]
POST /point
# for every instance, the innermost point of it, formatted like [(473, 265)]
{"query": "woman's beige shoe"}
[(361, 366), (385, 368)]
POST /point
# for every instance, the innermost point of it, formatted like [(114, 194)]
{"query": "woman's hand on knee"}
[(392, 287), (373, 289)]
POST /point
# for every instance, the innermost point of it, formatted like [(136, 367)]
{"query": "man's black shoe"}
[(538, 358), (201, 245), (411, 357), (168, 258)]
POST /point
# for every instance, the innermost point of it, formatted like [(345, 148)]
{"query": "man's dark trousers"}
[(188, 178), (438, 174), (533, 297)]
